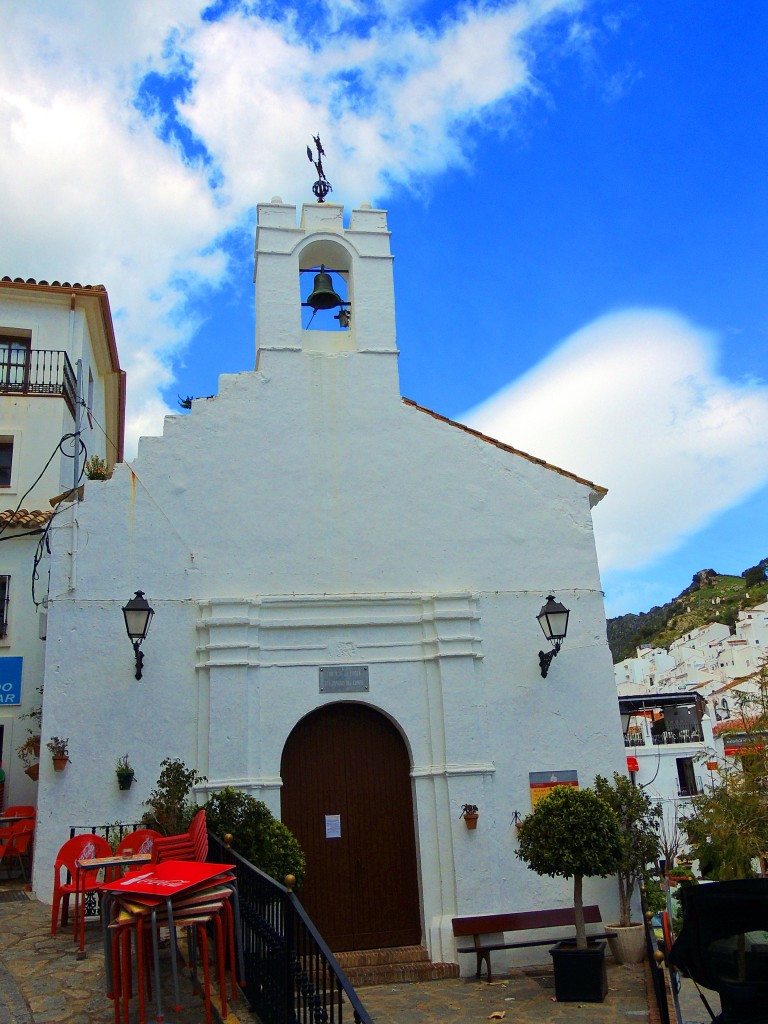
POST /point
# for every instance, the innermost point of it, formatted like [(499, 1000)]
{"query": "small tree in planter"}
[(574, 834), (639, 823)]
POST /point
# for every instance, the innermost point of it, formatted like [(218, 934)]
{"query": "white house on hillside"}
[(346, 588), (50, 335)]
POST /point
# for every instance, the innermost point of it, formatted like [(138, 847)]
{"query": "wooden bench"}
[(488, 930)]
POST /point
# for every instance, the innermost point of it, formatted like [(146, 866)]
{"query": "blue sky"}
[(578, 204)]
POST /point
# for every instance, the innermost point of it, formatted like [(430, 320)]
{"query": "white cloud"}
[(634, 401), (91, 193)]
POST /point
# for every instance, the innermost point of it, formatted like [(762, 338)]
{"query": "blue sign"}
[(10, 680)]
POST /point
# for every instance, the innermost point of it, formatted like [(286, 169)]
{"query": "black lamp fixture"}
[(138, 616), (553, 619)]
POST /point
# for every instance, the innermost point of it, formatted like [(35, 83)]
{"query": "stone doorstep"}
[(390, 955), (399, 964)]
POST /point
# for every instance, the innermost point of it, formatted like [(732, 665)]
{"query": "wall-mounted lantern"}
[(138, 616), (553, 619)]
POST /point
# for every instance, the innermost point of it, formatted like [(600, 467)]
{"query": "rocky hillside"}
[(711, 597)]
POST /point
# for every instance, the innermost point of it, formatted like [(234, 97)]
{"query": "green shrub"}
[(256, 834), (170, 808)]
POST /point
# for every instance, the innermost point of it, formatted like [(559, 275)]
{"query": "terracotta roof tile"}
[(508, 448), (25, 519), (30, 281)]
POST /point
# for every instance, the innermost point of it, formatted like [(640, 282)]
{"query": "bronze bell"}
[(323, 296)]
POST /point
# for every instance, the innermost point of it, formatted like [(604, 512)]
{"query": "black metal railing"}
[(657, 968), (291, 977), (38, 372)]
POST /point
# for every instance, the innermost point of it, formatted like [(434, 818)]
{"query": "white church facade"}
[(345, 588)]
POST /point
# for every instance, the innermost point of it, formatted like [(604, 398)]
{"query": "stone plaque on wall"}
[(344, 679)]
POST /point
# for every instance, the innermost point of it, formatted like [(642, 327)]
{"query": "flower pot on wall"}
[(60, 763), (628, 946), (125, 779), (33, 771), (470, 820), (580, 974)]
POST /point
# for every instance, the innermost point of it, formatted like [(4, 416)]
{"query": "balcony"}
[(37, 372)]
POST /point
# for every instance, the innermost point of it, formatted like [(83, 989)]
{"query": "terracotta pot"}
[(36, 746), (33, 772), (470, 820), (60, 763), (628, 947)]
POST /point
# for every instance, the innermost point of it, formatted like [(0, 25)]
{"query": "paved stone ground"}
[(524, 997), (43, 982)]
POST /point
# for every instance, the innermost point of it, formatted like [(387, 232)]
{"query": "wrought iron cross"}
[(322, 186)]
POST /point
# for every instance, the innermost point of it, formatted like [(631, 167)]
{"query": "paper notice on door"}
[(333, 826)]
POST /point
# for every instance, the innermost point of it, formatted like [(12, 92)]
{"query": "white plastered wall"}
[(306, 516)]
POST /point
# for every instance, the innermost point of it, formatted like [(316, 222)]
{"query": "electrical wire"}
[(58, 448)]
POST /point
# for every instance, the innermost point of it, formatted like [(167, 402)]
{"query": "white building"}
[(47, 333), (345, 589)]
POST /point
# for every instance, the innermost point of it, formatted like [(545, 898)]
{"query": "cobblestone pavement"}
[(43, 982), (524, 997)]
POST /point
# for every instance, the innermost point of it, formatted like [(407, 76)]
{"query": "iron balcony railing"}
[(38, 372), (291, 977), (636, 739)]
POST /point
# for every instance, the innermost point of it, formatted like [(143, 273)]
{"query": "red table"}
[(160, 884)]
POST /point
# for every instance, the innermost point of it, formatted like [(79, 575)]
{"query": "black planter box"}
[(580, 974)]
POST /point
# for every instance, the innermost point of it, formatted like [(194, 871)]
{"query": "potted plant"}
[(28, 752), (469, 814), (124, 772), (59, 749), (574, 834), (639, 822)]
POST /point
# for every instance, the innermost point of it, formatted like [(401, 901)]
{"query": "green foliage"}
[(170, 808), (571, 832), (256, 834), (655, 899), (639, 819), (727, 828), (755, 575), (96, 469)]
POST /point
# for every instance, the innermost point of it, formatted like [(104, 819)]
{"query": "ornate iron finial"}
[(322, 186)]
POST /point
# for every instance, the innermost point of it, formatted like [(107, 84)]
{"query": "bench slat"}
[(523, 920)]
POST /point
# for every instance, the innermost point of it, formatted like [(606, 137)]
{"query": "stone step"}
[(389, 955), (392, 966)]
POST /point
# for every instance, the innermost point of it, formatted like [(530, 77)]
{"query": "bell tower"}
[(357, 257)]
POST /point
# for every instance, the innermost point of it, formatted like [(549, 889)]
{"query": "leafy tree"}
[(170, 808), (754, 576), (574, 834), (256, 834), (728, 826), (639, 821)]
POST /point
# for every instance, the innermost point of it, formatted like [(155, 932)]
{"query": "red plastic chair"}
[(19, 811), (82, 847), (189, 845), (17, 844), (140, 841)]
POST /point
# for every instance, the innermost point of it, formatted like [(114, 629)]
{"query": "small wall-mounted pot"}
[(125, 780), (60, 762), (33, 771), (470, 815)]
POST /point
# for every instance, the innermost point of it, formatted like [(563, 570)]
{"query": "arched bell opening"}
[(325, 286)]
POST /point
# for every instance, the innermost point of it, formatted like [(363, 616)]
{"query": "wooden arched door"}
[(347, 797)]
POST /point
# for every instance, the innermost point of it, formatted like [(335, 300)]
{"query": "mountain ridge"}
[(710, 597)]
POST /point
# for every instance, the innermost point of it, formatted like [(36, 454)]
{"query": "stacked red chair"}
[(81, 847)]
